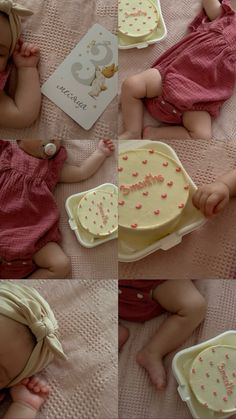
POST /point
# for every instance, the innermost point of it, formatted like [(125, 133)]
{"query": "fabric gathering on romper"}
[(198, 73), (28, 208)]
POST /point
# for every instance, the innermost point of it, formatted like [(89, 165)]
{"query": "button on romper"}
[(198, 73), (29, 216)]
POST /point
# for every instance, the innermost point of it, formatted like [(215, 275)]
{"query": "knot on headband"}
[(8, 7), (14, 11), (26, 306), (42, 329)]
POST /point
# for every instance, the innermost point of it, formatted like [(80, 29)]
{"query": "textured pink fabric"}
[(135, 300), (198, 73), (28, 212)]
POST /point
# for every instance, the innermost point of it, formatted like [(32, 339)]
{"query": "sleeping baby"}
[(28, 343), (29, 218), (143, 300), (22, 109)]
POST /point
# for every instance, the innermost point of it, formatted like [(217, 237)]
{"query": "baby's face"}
[(36, 147), (15, 349), (5, 41)]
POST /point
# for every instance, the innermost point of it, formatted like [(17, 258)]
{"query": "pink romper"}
[(135, 300), (29, 216), (198, 73)]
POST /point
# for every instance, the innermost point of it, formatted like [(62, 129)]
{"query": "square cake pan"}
[(190, 221), (84, 237)]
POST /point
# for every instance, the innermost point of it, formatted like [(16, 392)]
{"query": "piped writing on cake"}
[(149, 180), (228, 384), (105, 218), (136, 14)]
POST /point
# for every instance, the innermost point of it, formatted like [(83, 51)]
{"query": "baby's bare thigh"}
[(50, 254), (173, 295), (148, 83)]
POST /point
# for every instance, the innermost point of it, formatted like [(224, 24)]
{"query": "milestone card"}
[(87, 80)]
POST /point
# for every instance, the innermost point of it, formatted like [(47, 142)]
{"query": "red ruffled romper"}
[(135, 300), (29, 217), (198, 73)]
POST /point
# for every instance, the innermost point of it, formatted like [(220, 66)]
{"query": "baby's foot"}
[(153, 364), (129, 135), (149, 132), (123, 335)]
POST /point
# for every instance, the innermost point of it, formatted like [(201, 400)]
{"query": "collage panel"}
[(53, 226), (168, 227), (181, 63), (58, 69), (74, 343), (180, 361)]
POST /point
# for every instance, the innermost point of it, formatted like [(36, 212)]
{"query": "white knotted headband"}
[(26, 306), (14, 12)]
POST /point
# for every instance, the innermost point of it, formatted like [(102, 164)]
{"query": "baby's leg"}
[(134, 89), (52, 262), (196, 125), (188, 308), (123, 335)]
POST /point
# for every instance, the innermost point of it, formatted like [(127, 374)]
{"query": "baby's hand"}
[(26, 55), (106, 146), (211, 199), (31, 391)]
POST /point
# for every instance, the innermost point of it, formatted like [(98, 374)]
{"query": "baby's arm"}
[(212, 8), (70, 174), (22, 110), (28, 397), (213, 198)]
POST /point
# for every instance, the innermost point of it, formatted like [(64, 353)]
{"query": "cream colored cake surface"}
[(213, 378), (97, 213), (137, 18), (153, 190)]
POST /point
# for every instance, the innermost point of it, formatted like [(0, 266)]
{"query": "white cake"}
[(153, 192), (97, 213), (137, 18), (213, 378)]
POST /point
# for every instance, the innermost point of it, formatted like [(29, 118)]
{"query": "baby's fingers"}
[(211, 204), (221, 205), (196, 198)]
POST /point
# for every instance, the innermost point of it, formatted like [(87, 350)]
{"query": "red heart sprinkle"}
[(186, 187), (170, 183), (165, 164), (145, 193), (178, 169), (120, 169), (144, 161), (164, 195), (181, 206), (134, 225), (151, 151), (135, 174), (138, 206), (125, 157), (121, 202), (157, 212)]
